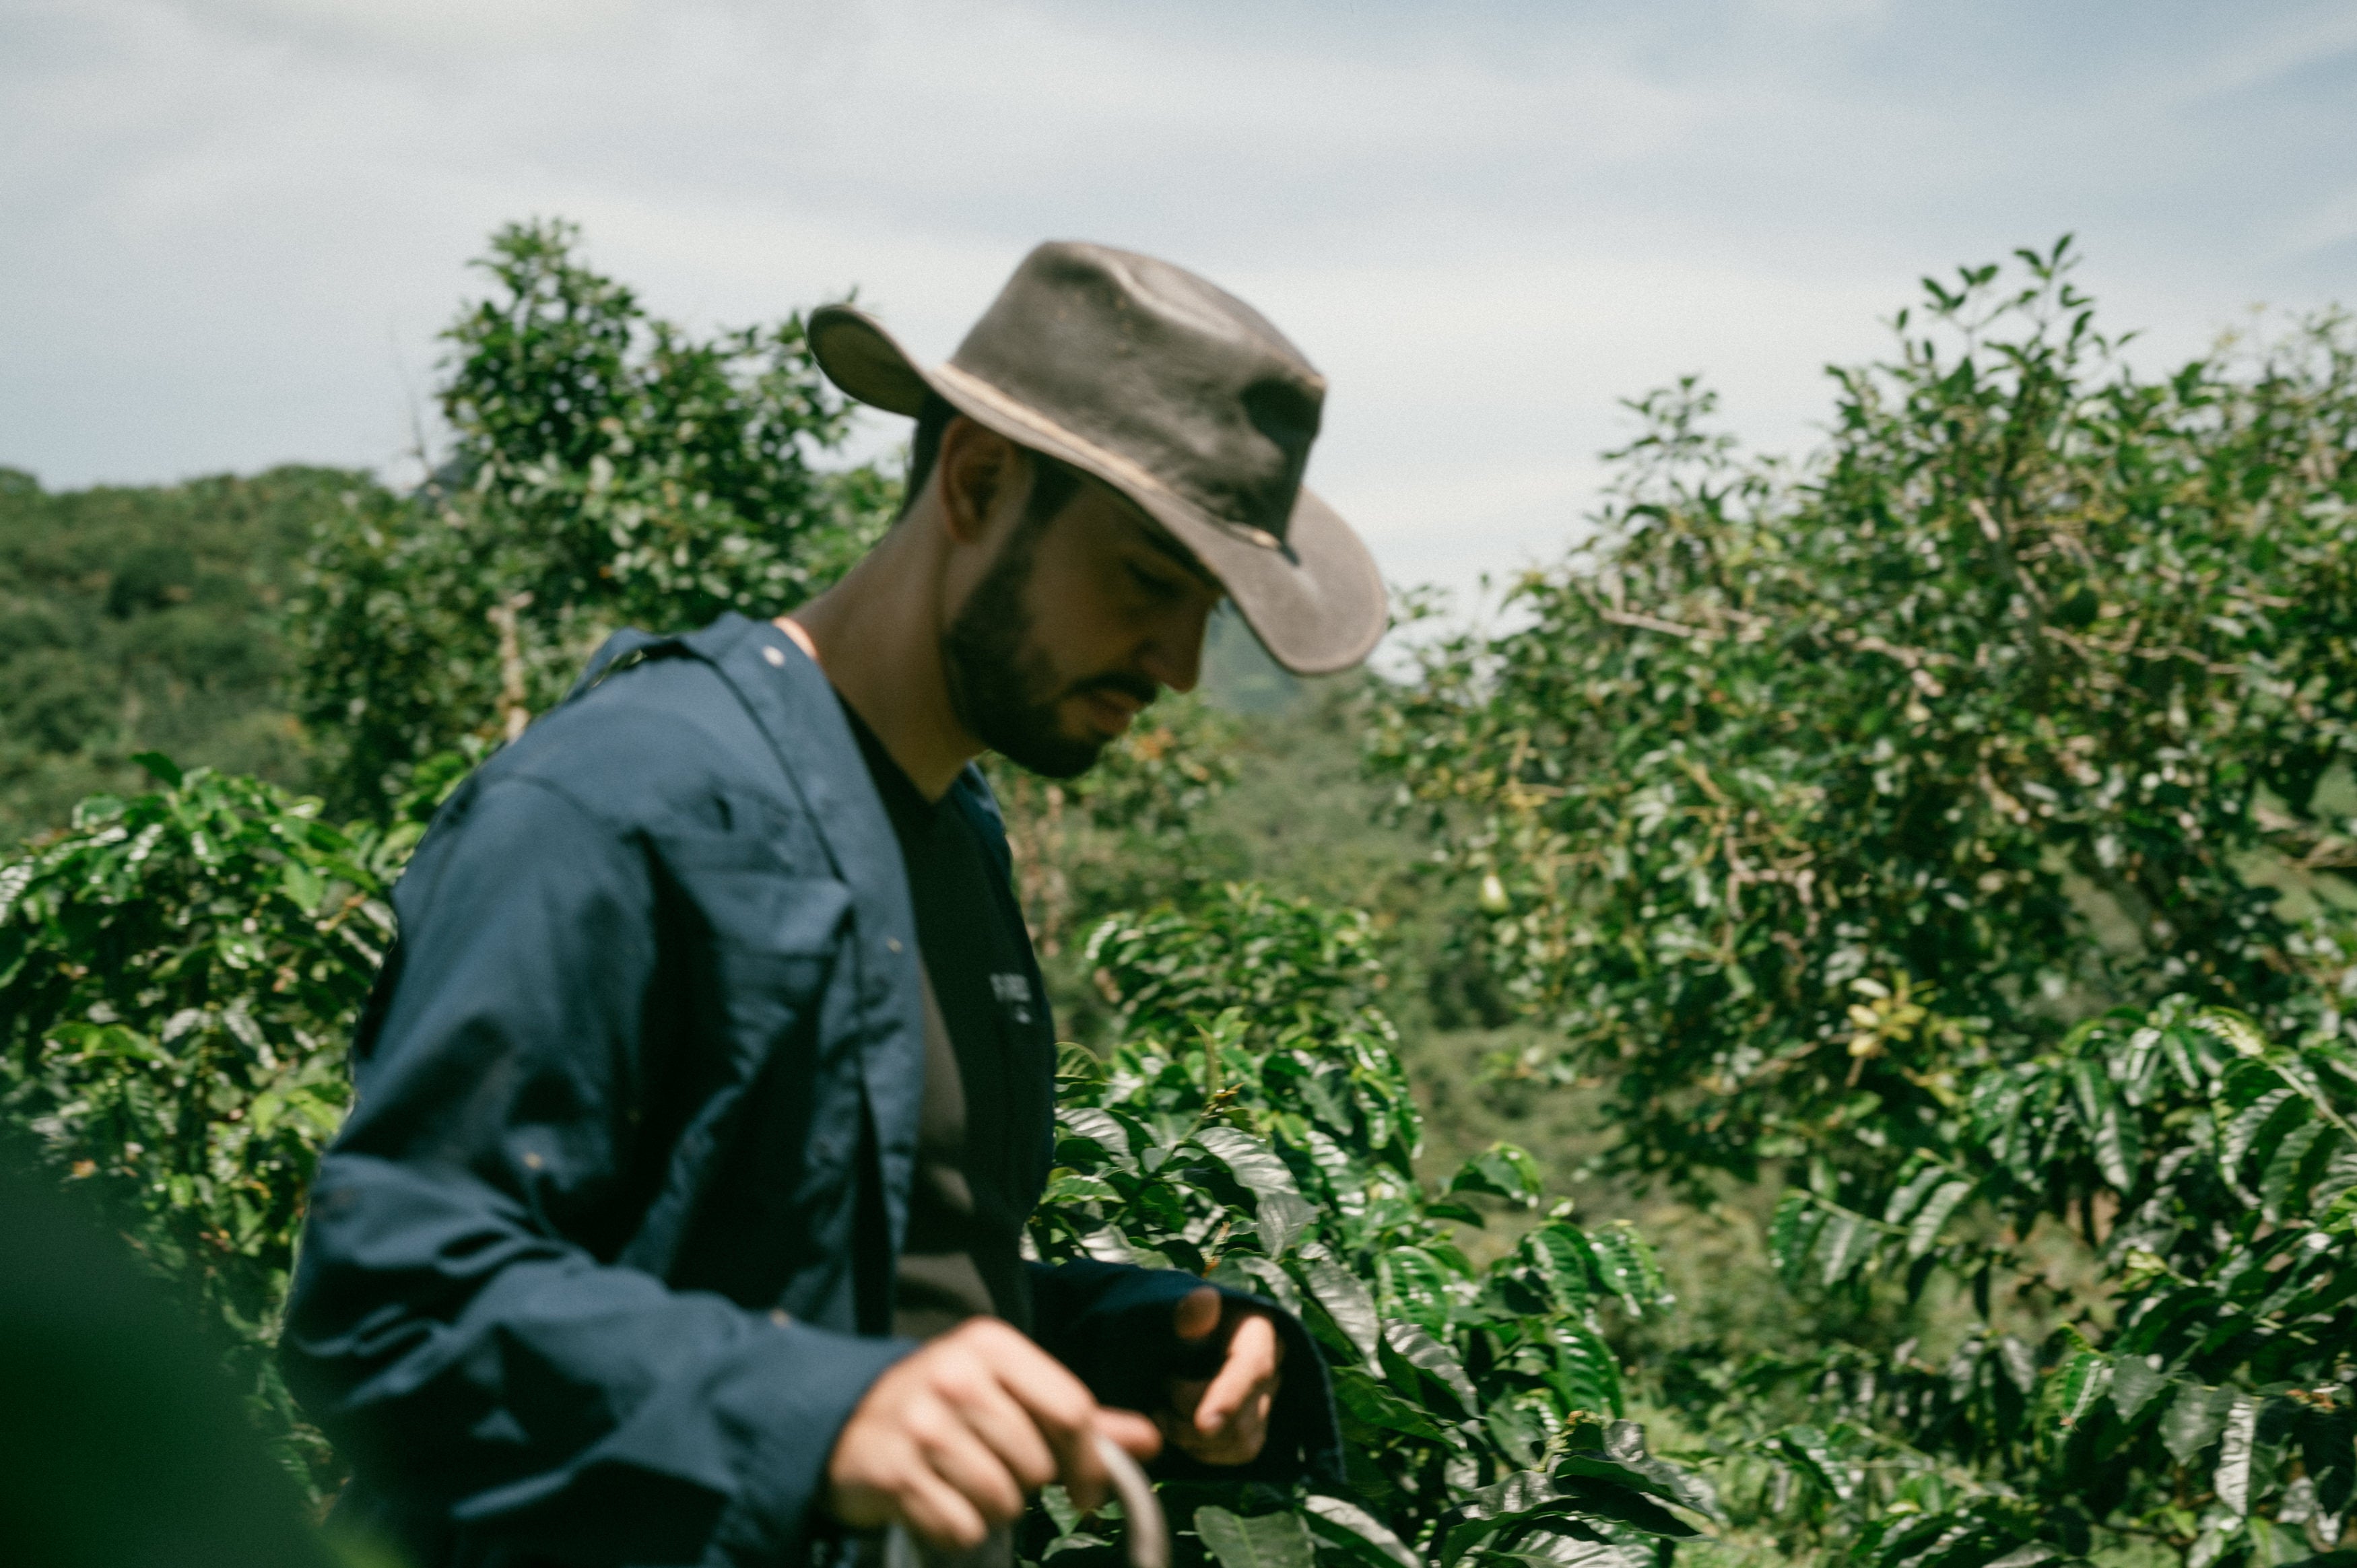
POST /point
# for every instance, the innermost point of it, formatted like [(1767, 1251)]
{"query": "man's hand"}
[(1223, 1420), (951, 1440)]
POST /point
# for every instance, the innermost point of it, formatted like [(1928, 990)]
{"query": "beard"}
[(1003, 687)]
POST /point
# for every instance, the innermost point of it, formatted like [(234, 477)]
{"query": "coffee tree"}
[(1126, 835), (606, 468), (2194, 1391), (1256, 1127), (1802, 796), (179, 971)]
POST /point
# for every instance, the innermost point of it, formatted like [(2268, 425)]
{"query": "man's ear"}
[(975, 464)]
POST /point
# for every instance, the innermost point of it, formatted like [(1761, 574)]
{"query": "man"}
[(703, 1101)]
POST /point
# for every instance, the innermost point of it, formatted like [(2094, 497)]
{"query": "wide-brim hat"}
[(1177, 395)]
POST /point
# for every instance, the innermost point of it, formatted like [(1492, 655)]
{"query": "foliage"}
[(179, 972), (2198, 1390), (1126, 835), (135, 620), (1901, 824), (609, 468), (1256, 1126), (1800, 799)]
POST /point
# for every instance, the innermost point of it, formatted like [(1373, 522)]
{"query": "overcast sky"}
[(230, 228)]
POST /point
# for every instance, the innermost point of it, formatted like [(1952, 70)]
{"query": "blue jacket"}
[(539, 1301)]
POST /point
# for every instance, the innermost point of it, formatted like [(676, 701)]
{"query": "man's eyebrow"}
[(1141, 523), (1157, 536)]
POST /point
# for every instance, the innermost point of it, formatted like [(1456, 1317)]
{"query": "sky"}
[(230, 230)]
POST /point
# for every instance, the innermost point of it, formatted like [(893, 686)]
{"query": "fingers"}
[(951, 1439), (982, 1406), (1063, 1414), (940, 1513), (1224, 1421), (1250, 1369), (1196, 1314), (1133, 1432)]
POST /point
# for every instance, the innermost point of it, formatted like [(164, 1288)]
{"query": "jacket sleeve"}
[(1112, 1325), (453, 1322)]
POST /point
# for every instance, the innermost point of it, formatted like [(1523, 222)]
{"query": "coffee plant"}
[(178, 974), (2195, 1389), (1256, 1127), (609, 469), (1989, 707), (1904, 832)]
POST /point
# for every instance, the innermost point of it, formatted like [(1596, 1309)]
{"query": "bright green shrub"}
[(178, 974), (1256, 1126), (1799, 796), (609, 469), (2197, 1393)]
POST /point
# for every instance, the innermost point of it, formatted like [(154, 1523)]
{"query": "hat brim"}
[(1316, 602)]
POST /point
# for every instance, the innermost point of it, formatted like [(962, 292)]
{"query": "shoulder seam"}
[(580, 807)]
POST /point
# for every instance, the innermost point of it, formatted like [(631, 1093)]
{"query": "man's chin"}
[(1052, 755)]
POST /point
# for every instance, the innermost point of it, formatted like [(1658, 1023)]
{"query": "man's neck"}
[(876, 635)]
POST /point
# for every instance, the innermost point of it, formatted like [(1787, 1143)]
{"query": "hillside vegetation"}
[(1825, 1043)]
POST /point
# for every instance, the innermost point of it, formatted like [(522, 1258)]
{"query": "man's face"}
[(1077, 625)]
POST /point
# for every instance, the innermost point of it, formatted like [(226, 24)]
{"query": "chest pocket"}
[(753, 976)]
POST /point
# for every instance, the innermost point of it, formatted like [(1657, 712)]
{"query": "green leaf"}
[(1627, 1267), (1069, 1186), (1360, 1533), (1370, 1403), (1408, 1350), (2235, 1143), (1624, 1458), (1923, 1233), (1259, 1541), (160, 768), (1566, 1263), (2019, 1362), (2028, 1555), (2195, 1418), (2110, 1129), (2231, 1480), (1098, 1127), (1346, 1301), (2135, 1380), (1503, 1170), (1263, 1274), (2083, 1379), (1806, 1448), (1847, 1241), (1415, 1285), (1792, 1234), (1280, 1213), (1587, 1372), (2281, 1189), (1615, 1499), (1911, 1193), (1077, 1068)]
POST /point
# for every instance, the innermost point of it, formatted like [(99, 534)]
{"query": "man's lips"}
[(1111, 711)]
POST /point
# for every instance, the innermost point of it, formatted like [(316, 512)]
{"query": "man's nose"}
[(1174, 654)]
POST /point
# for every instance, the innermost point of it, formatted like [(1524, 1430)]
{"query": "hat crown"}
[(1150, 362)]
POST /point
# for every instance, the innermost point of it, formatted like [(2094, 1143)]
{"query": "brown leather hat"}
[(1175, 394)]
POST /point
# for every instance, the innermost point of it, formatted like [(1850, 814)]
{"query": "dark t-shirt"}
[(984, 1041)]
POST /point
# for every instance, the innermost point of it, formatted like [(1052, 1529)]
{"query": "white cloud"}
[(227, 227)]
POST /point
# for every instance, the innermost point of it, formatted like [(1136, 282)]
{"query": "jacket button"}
[(893, 943)]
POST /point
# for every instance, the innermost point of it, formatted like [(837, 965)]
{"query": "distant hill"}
[(1240, 676), (141, 619), (135, 619)]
